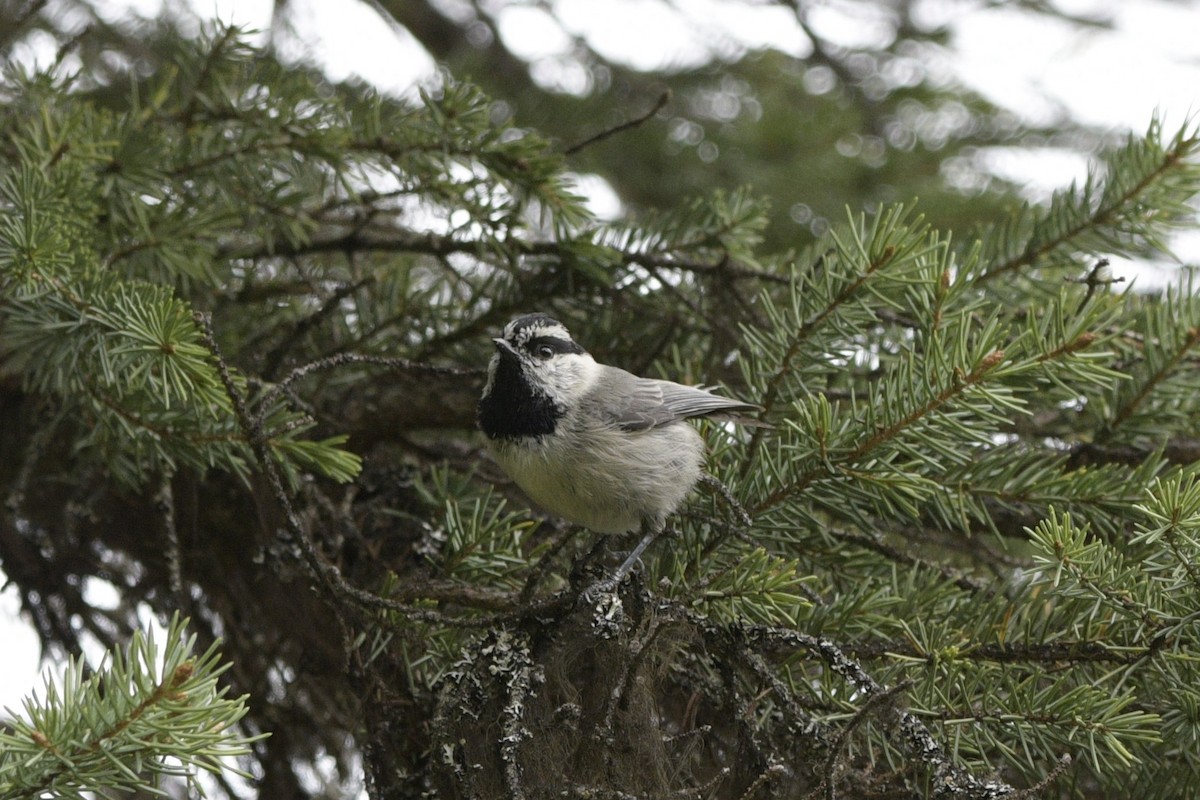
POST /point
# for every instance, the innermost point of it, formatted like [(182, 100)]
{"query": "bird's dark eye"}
[(544, 351)]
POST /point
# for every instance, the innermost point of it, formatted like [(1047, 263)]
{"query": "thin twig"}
[(770, 774), (342, 359), (713, 483), (329, 579), (165, 500), (876, 544), (1099, 275), (638, 649), (1033, 791), (663, 99), (805, 723), (539, 571), (705, 789), (950, 779), (276, 356), (829, 779)]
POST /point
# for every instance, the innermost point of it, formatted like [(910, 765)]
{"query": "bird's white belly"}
[(607, 480)]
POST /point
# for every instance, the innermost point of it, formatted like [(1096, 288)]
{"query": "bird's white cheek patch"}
[(573, 377)]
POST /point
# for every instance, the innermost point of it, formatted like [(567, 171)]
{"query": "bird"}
[(591, 443)]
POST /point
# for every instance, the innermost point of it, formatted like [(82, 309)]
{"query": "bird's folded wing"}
[(634, 404)]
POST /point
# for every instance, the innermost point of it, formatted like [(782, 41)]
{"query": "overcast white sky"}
[(1120, 78)]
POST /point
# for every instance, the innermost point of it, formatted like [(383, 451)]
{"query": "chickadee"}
[(593, 444)]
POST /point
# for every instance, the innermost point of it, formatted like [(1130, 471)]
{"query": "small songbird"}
[(593, 444)]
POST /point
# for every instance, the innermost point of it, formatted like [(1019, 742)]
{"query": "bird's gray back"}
[(624, 400)]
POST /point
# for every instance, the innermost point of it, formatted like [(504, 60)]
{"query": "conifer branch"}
[(878, 545), (873, 705), (343, 359), (885, 433), (812, 324), (1130, 406), (1104, 215), (337, 591), (398, 240), (948, 779), (124, 724)]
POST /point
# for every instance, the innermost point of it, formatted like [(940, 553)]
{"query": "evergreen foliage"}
[(243, 320), (150, 711)]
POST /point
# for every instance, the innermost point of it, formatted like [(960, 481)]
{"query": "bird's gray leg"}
[(650, 531)]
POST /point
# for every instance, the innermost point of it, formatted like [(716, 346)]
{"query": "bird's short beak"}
[(504, 348)]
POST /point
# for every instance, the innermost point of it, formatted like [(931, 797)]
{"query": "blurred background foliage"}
[(245, 312), (826, 126)]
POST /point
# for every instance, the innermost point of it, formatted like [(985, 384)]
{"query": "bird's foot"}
[(594, 593)]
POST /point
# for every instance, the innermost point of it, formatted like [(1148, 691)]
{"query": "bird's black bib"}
[(513, 409)]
